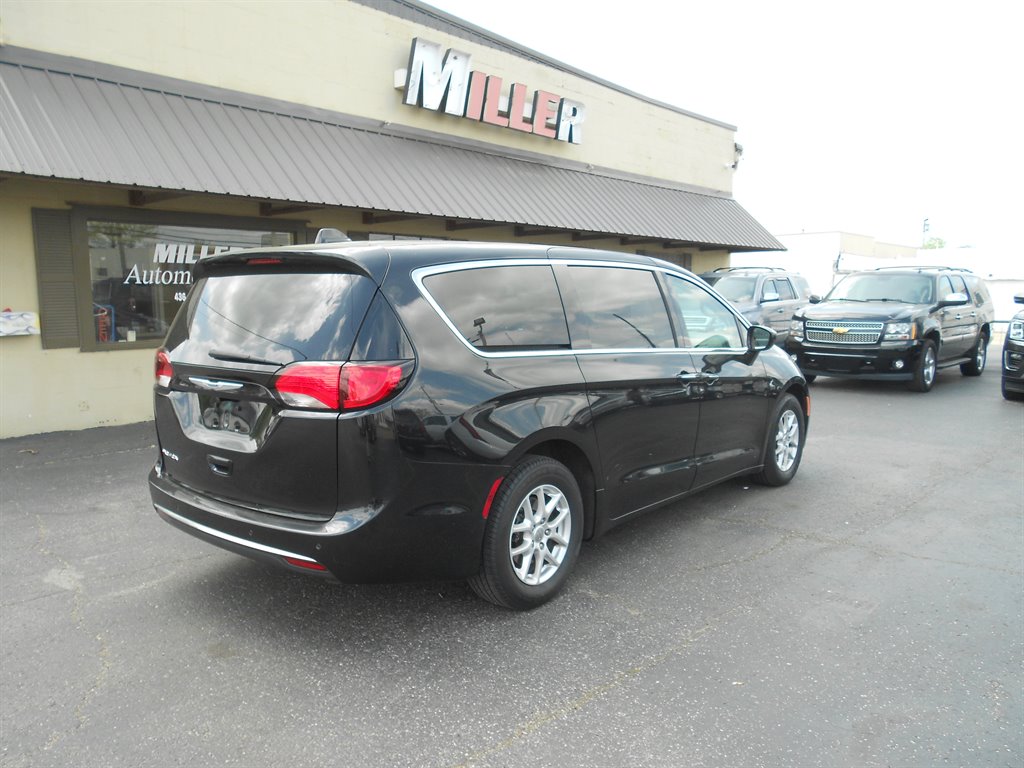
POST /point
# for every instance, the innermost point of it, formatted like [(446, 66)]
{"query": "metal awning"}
[(99, 127)]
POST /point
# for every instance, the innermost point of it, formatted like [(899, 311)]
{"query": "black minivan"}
[(439, 410)]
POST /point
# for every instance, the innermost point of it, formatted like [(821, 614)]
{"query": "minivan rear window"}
[(275, 318), (503, 308)]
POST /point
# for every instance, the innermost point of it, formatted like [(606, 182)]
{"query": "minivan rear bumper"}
[(366, 546), (252, 549)]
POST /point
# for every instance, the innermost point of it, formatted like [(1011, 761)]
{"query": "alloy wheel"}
[(540, 535), (928, 371), (787, 440)]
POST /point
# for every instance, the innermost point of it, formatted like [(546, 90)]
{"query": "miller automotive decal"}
[(185, 254), (445, 83)]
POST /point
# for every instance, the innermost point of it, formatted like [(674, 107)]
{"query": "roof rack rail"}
[(749, 269), (922, 268)]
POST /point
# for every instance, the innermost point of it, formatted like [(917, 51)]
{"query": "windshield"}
[(737, 289), (877, 286)]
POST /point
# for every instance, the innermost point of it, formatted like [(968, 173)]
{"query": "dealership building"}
[(135, 138)]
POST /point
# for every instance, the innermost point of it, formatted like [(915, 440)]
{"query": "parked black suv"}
[(766, 296), (895, 323), (1013, 356), (393, 411)]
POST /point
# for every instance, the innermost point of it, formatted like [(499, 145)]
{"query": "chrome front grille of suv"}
[(843, 333)]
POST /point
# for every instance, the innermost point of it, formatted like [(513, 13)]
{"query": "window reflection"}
[(706, 322), (503, 307), (141, 272), (314, 317), (621, 308)]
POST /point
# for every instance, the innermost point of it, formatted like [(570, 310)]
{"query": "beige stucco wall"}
[(342, 56), (44, 390)]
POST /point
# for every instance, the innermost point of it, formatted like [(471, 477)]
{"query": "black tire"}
[(978, 356), (547, 547), (785, 445), (926, 368)]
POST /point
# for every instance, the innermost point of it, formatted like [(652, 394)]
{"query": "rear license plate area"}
[(224, 414)]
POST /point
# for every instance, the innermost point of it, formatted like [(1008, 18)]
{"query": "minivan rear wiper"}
[(230, 358)]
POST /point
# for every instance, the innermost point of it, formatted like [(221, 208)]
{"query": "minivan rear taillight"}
[(363, 384), (164, 370), (310, 385), (334, 386)]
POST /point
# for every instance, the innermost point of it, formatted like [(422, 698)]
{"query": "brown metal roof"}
[(147, 133)]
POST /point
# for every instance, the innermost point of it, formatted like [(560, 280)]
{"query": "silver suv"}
[(765, 295)]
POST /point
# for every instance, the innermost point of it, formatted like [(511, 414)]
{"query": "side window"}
[(706, 322), (958, 284), (978, 291), (784, 289), (620, 308), (945, 287), (503, 308), (803, 288)]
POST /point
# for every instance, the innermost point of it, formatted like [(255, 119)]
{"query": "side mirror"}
[(1019, 298), (770, 296), (954, 300), (759, 338), (814, 298)]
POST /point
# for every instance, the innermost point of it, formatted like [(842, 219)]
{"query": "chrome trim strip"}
[(294, 413), (228, 537), (815, 353), (418, 275), (216, 386)]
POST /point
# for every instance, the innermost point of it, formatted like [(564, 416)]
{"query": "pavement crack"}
[(63, 461), (69, 580), (618, 679), (882, 552)]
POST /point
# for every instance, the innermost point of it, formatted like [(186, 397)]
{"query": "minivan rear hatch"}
[(223, 428)]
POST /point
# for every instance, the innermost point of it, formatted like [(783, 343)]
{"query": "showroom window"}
[(132, 269), (140, 273)]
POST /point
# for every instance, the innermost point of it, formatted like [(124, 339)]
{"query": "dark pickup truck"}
[(895, 323)]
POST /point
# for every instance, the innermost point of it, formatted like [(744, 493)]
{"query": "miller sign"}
[(445, 83)]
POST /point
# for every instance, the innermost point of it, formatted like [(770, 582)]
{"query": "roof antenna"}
[(331, 235)]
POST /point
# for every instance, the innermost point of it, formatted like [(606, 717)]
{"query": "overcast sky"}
[(865, 117)]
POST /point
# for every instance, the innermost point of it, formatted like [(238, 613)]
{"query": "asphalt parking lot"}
[(868, 614)]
